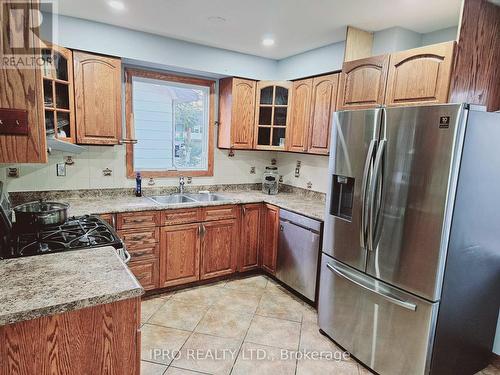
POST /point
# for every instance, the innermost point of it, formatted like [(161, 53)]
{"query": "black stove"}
[(76, 233)]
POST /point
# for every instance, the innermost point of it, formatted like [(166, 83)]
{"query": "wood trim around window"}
[(129, 74)]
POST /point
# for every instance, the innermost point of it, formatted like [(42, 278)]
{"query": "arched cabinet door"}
[(362, 83), (324, 95), (273, 104), (236, 113), (300, 115), (420, 75), (97, 98)]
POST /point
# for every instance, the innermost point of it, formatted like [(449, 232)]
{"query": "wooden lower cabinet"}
[(103, 339), (179, 254), (219, 248), (270, 222), (249, 235)]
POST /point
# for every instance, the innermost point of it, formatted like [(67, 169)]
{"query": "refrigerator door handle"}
[(366, 171), (394, 300), (371, 193)]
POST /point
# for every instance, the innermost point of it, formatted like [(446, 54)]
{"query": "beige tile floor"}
[(242, 326)]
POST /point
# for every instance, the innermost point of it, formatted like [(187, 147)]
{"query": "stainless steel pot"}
[(41, 214)]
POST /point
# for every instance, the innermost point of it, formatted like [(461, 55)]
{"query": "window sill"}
[(161, 174)]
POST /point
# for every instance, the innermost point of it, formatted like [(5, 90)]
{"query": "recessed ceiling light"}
[(116, 4), (267, 42), (216, 19)]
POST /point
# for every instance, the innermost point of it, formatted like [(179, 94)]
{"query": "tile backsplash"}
[(89, 167)]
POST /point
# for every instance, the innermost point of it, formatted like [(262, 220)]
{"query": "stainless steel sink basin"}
[(204, 197), (188, 198), (172, 198)]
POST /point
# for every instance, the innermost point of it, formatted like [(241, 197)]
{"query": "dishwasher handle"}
[(297, 225)]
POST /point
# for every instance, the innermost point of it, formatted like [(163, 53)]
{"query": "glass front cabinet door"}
[(58, 92), (272, 114)]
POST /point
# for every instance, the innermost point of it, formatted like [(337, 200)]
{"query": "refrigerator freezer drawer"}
[(387, 329)]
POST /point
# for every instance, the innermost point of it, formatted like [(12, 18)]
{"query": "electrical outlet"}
[(252, 170), (309, 185), (69, 160), (61, 169), (151, 181), (107, 172), (13, 172), (281, 179), (189, 180), (299, 163), (230, 153), (273, 162)]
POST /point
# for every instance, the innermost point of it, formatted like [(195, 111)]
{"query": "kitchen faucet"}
[(181, 185)]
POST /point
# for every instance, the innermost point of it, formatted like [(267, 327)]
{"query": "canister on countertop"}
[(270, 180)]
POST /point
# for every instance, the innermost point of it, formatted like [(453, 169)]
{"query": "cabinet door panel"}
[(269, 244), (236, 113), (420, 75), (250, 244), (324, 96), (362, 83), (242, 121), (300, 116), (22, 88), (179, 254), (219, 248), (98, 98)]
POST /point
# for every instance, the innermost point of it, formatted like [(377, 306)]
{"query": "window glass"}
[(171, 125)]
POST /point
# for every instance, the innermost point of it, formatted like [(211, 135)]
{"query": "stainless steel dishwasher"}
[(298, 252)]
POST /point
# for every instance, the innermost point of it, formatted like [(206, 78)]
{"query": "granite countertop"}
[(308, 206), (37, 286)]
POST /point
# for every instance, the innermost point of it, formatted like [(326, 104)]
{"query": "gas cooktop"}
[(76, 233)]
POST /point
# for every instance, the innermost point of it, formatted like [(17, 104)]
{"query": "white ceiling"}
[(296, 25)]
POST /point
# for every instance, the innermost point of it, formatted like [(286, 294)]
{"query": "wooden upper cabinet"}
[(362, 83), (236, 113), (300, 115), (269, 243), (58, 91), (21, 89), (273, 104), (324, 96), (250, 244), (219, 248), (179, 254), (97, 98), (420, 75)]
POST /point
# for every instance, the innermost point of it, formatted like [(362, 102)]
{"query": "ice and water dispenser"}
[(342, 197)]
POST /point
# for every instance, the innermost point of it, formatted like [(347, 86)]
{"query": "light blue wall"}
[(439, 36), (320, 60), (395, 39), (156, 50)]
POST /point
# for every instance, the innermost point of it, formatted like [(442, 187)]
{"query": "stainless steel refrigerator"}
[(410, 270)]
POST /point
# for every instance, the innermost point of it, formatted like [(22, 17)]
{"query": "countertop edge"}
[(18, 317)]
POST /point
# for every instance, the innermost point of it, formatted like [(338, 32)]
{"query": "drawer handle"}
[(137, 238), (138, 221)]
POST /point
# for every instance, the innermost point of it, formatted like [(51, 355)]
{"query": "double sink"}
[(188, 198)]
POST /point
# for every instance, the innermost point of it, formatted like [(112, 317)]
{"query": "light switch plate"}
[(12, 172), (61, 169)]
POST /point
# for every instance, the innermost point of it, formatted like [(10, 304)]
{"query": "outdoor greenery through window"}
[(171, 120)]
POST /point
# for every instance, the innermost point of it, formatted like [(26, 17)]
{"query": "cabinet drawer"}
[(132, 220), (137, 238), (146, 252), (146, 272), (219, 213), (183, 216)]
